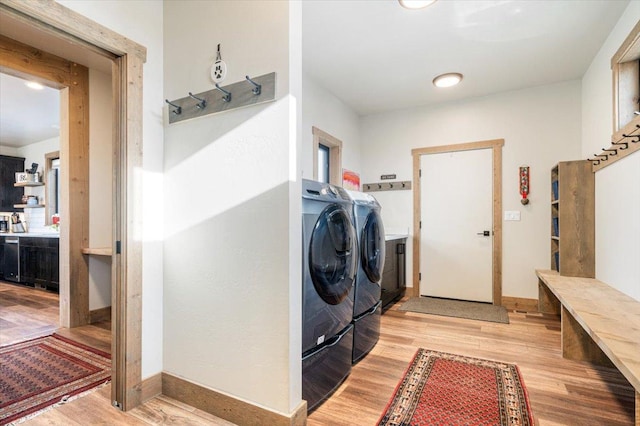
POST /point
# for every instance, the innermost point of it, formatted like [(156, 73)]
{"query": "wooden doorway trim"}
[(128, 58), (496, 145), (72, 80)]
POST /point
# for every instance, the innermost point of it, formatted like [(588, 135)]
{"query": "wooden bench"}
[(599, 323)]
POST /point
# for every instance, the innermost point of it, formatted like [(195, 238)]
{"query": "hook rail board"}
[(386, 186), (243, 93), (624, 142)]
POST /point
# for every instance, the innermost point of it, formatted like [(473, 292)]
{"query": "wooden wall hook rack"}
[(224, 98), (623, 143), (386, 186)]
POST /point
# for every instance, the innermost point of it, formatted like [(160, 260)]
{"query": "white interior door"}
[(456, 205)]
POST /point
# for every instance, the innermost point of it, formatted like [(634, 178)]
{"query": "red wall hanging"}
[(524, 184)]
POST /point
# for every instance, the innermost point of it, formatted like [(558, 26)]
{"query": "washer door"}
[(372, 247), (332, 258)]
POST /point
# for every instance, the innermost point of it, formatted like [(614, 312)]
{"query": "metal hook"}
[(227, 95), (594, 159), (202, 104), (626, 145), (606, 156), (615, 151), (632, 136), (258, 87), (177, 110)]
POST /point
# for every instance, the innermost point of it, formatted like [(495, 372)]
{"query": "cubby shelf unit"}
[(573, 219)]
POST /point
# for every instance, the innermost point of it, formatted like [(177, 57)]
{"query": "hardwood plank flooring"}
[(27, 313), (561, 392)]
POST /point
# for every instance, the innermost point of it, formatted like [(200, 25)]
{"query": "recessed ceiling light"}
[(447, 80), (416, 4), (34, 85)]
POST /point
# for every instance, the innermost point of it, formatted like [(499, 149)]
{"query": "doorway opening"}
[(496, 198), (53, 26)]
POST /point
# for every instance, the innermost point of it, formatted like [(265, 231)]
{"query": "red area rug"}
[(446, 389), (42, 372)]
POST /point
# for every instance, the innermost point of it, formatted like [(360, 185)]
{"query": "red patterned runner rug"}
[(445, 389), (42, 372)]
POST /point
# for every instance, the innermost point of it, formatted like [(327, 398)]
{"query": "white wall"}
[(232, 312), (325, 111), (141, 21), (34, 153), (100, 186), (8, 150), (540, 126), (617, 188)]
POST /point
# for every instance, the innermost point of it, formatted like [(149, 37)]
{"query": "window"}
[(327, 157), (625, 65), (52, 176), (323, 163)]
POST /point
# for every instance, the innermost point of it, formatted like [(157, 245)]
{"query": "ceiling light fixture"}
[(447, 80), (34, 85), (416, 4)]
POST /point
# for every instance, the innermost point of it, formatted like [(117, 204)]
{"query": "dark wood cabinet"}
[(1, 257), (393, 281), (39, 262), (10, 195)]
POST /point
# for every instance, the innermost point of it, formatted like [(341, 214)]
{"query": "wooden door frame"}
[(128, 58), (496, 145), (72, 80)]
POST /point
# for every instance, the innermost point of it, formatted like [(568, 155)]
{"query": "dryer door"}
[(332, 255), (372, 247)]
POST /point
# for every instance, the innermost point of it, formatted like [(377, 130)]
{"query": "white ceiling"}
[(378, 56), (27, 115)]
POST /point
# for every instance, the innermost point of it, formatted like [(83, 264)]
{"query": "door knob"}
[(485, 233)]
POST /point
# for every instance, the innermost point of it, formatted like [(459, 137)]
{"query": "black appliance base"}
[(366, 332), (325, 368)]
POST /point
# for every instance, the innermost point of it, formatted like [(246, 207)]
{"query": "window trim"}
[(48, 160), (335, 155)]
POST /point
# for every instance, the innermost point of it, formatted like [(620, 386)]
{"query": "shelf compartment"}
[(29, 206), (24, 184), (98, 251)]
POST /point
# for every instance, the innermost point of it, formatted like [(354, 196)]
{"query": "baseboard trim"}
[(228, 407), (520, 304), (102, 314), (151, 387)]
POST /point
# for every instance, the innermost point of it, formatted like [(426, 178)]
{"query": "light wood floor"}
[(27, 313), (561, 392)]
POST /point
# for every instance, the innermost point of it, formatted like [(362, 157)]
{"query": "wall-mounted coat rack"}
[(251, 91), (621, 146), (386, 186)]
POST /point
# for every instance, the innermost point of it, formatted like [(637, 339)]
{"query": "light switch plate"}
[(513, 215)]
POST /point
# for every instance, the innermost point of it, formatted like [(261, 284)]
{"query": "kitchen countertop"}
[(389, 237), (31, 234)]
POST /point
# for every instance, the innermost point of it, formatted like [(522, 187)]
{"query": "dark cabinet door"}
[(1, 257), (393, 277), (9, 194), (39, 262)]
